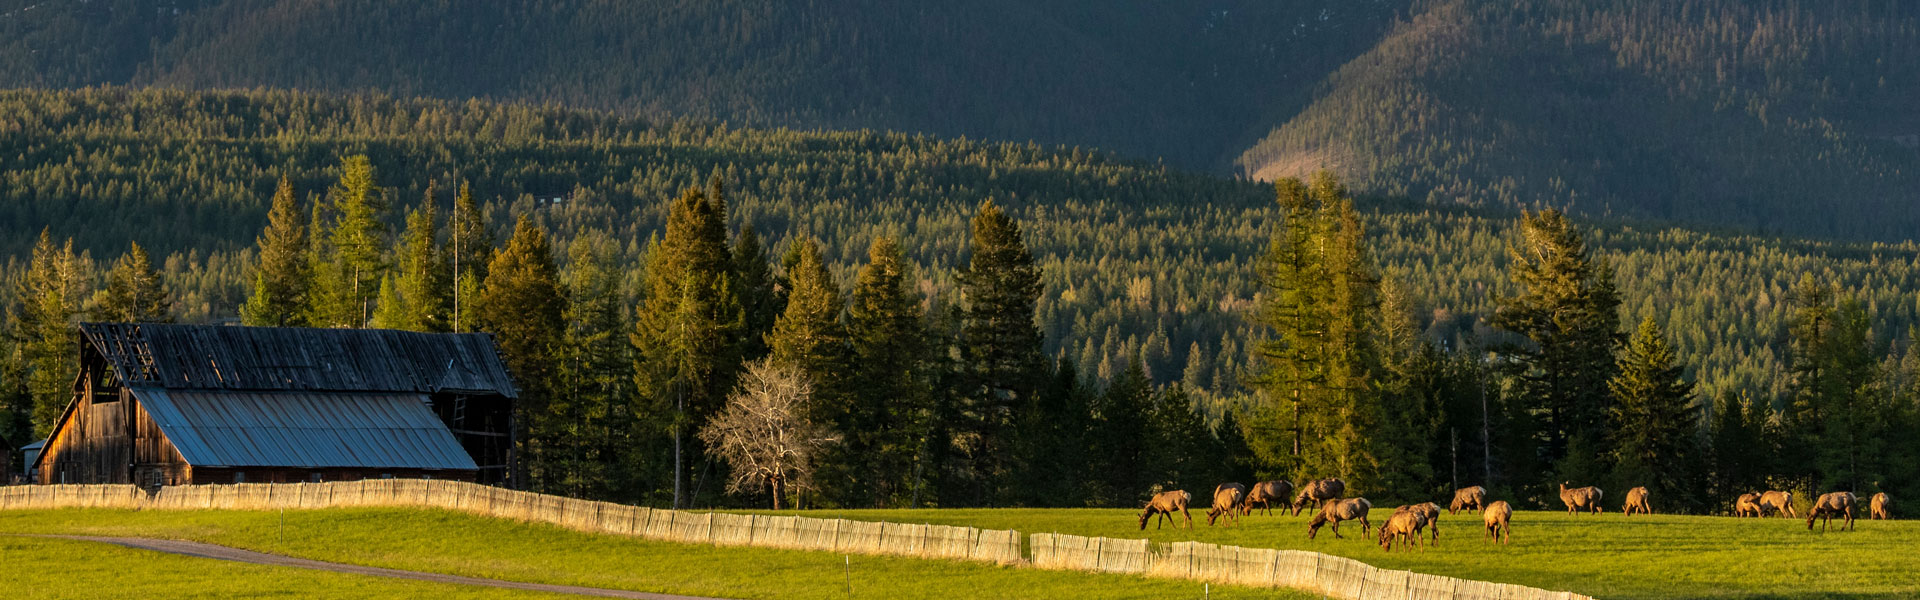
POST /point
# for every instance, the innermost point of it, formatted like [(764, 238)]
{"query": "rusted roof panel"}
[(288, 358), (303, 429)]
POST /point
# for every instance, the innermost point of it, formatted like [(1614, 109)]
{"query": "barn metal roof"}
[(182, 357), (303, 429)]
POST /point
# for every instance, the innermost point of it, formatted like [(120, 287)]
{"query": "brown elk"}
[(1880, 507), (1318, 491), (1403, 527), (1777, 502), (1468, 498), (1747, 504), (1829, 505), (1637, 502), (1429, 515), (1265, 494), (1577, 499), (1335, 511), (1226, 501), (1498, 517), (1165, 504)]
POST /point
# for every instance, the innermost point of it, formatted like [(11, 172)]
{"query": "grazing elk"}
[(1637, 502), (1777, 502), (1498, 517), (1336, 511), (1880, 507), (1577, 499), (1318, 491), (1747, 504), (1403, 527), (1265, 494), (1830, 504), (1429, 515), (1165, 504), (1226, 502), (1468, 498)]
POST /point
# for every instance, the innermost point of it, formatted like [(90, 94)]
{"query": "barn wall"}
[(95, 444)]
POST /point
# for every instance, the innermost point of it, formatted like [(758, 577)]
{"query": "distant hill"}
[(1778, 116), (1775, 116)]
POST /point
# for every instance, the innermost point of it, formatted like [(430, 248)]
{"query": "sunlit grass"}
[(461, 544)]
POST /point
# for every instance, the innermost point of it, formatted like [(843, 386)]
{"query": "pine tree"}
[(892, 402), (1051, 453), (1654, 420), (761, 293), (1001, 344), (592, 410), (523, 307), (1568, 307), (50, 297), (353, 259), (1122, 448), (810, 336), (280, 286), (469, 249), (424, 284), (687, 331), (134, 291)]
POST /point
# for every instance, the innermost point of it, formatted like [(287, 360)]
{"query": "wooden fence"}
[(788, 532), (1330, 576), (1327, 575)]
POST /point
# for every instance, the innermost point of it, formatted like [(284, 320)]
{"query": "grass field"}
[(460, 544), (1605, 556)]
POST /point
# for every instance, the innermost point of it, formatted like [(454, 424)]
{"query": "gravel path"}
[(218, 552)]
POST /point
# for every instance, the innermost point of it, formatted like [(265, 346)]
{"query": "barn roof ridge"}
[(215, 357)]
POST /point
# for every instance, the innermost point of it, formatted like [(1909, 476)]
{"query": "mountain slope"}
[(1776, 116)]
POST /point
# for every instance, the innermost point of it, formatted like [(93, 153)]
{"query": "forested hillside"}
[(1781, 116), (1777, 116), (1137, 259)]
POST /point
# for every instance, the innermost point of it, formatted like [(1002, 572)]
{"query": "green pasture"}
[(461, 544), (1605, 556)]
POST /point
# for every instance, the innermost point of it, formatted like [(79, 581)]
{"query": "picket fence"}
[(1329, 576)]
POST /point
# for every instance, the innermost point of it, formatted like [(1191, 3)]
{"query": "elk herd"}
[(1406, 525)]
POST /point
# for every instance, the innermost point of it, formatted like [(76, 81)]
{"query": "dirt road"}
[(217, 552)]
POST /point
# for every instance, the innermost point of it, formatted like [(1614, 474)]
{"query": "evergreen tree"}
[(469, 249), (280, 285), (1411, 382), (352, 262), (1568, 308), (687, 331), (50, 297), (892, 402), (1738, 447), (762, 296), (523, 307), (425, 283), (592, 412), (391, 311), (134, 291), (1122, 448), (1654, 420), (810, 336), (1001, 343)]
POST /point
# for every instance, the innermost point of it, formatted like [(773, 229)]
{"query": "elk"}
[(1336, 511), (1429, 516), (1226, 501), (1265, 493), (1830, 504), (1747, 504), (1637, 502), (1586, 498), (1165, 504), (1320, 491), (1403, 527), (1777, 502), (1880, 507), (1498, 518), (1468, 498)]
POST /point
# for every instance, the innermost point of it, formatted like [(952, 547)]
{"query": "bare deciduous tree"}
[(764, 432)]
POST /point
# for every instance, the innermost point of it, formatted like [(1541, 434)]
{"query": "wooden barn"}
[(192, 404)]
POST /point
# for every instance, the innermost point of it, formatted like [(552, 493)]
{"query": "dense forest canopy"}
[(1777, 117)]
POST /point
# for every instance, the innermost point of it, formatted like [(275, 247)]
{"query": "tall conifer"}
[(523, 305), (1001, 343), (135, 293), (280, 286)]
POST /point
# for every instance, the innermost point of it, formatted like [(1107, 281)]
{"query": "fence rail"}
[(1327, 575)]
